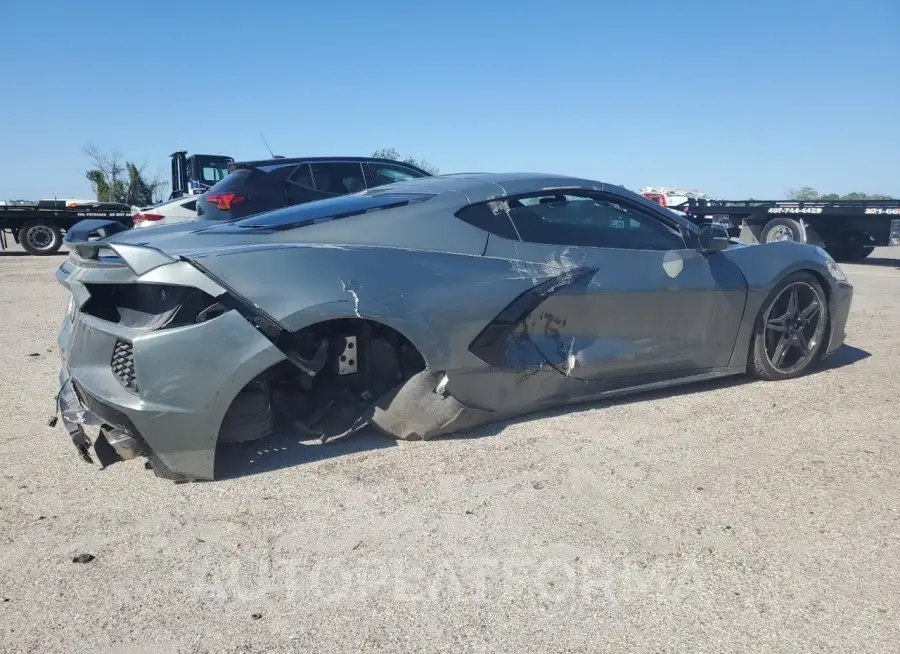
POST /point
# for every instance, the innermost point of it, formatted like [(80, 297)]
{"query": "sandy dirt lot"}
[(726, 517)]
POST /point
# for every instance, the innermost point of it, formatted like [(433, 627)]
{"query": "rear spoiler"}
[(139, 258), (84, 230)]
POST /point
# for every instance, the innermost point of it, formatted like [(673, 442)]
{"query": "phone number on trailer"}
[(795, 210), (881, 211)]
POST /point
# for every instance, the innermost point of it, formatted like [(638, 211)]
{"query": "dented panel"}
[(630, 312)]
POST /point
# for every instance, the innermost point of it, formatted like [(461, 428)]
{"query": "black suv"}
[(253, 187)]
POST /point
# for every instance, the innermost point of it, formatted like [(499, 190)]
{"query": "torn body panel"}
[(184, 391), (617, 315), (436, 300), (131, 361)]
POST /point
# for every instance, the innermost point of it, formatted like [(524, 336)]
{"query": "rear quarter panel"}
[(440, 301)]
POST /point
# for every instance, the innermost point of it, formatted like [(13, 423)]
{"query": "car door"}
[(318, 180), (336, 178), (643, 303)]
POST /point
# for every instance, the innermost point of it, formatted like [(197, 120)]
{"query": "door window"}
[(590, 220), (298, 187), (388, 174), (338, 178)]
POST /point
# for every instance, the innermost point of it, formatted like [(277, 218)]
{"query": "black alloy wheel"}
[(791, 330)]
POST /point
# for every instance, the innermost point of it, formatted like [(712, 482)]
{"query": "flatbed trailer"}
[(848, 229), (38, 226)]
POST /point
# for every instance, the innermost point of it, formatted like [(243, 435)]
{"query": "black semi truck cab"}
[(194, 174)]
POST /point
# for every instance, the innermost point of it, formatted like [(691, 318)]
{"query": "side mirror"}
[(713, 238)]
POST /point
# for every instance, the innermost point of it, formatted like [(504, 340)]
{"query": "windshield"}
[(213, 173), (206, 170)]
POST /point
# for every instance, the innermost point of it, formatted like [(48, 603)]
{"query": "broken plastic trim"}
[(490, 344), (268, 326)]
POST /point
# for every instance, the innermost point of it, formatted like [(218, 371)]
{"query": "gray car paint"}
[(617, 322)]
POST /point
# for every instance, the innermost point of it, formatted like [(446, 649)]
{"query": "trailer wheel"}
[(40, 237), (782, 229), (850, 252)]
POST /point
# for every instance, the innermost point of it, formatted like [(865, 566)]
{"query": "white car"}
[(169, 212)]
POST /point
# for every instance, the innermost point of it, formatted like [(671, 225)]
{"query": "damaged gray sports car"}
[(421, 308)]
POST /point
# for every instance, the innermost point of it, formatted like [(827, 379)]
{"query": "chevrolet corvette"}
[(420, 308)]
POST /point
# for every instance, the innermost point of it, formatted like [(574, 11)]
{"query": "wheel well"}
[(333, 373), (362, 327), (826, 289), (823, 282)]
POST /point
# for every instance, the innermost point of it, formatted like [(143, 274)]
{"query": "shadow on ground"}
[(879, 261), (285, 449), (846, 356), (22, 253)]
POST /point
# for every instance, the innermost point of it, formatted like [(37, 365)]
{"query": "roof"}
[(478, 187), (281, 161), (483, 186)]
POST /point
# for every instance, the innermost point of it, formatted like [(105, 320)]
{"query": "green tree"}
[(808, 194), (393, 155), (114, 179)]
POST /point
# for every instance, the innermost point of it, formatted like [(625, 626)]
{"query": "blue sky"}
[(735, 98)]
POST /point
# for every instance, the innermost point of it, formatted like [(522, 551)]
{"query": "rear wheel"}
[(850, 252), (782, 229), (40, 237), (790, 329), (250, 415)]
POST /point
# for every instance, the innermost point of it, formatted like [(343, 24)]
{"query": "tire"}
[(782, 229), (850, 253), (249, 417), (40, 237), (764, 346)]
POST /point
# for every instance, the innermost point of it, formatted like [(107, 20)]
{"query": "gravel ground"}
[(728, 517)]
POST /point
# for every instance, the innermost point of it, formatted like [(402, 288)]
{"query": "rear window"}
[(330, 209), (232, 181)]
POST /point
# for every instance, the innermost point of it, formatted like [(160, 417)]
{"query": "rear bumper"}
[(185, 379)]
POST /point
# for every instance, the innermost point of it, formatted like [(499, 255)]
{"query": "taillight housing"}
[(146, 218), (224, 201)]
